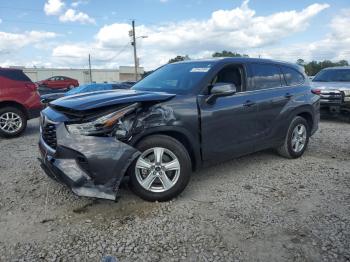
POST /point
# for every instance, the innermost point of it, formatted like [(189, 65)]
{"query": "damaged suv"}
[(182, 117)]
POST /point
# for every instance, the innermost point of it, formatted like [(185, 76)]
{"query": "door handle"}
[(288, 95), (249, 103)]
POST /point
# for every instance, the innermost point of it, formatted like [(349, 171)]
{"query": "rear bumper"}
[(90, 166)]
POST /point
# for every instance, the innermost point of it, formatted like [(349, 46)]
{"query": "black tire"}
[(21, 114), (70, 87), (183, 158), (286, 150)]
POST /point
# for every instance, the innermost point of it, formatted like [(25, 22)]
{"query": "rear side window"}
[(265, 76), (292, 76), (16, 75)]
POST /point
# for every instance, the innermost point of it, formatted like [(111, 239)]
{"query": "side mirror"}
[(221, 89)]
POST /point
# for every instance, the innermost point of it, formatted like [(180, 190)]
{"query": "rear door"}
[(228, 125), (271, 94)]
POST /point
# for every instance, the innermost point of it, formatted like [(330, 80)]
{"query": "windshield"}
[(175, 78), (333, 75)]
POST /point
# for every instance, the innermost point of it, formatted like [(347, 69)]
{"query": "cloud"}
[(335, 45), (58, 8), (53, 7), (11, 42), (76, 3), (72, 15), (236, 29)]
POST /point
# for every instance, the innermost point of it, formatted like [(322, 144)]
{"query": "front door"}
[(228, 124)]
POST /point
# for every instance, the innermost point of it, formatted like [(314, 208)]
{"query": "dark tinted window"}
[(333, 75), (265, 76), (16, 75), (292, 76)]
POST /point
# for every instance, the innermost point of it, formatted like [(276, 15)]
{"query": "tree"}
[(300, 62), (228, 54), (313, 67), (178, 59)]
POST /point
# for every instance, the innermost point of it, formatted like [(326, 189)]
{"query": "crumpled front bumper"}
[(90, 166)]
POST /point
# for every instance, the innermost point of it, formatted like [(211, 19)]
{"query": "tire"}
[(289, 149), (10, 112), (172, 150)]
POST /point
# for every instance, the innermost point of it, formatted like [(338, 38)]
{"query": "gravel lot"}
[(259, 207)]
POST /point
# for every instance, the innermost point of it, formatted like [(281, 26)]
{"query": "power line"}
[(43, 23)]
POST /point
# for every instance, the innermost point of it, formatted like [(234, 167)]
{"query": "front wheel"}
[(296, 140), (163, 169), (12, 122)]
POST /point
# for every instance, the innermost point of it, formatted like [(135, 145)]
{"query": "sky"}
[(62, 33)]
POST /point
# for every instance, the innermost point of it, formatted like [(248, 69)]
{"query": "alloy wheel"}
[(157, 169), (299, 137), (10, 122)]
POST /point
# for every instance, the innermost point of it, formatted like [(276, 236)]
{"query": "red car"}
[(19, 102), (59, 82)]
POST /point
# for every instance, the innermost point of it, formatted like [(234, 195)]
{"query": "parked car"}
[(47, 98), (333, 85), (19, 102), (182, 117), (58, 82)]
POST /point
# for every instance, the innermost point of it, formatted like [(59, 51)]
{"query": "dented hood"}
[(100, 99)]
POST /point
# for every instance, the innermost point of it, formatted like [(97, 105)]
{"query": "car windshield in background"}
[(333, 75), (175, 78)]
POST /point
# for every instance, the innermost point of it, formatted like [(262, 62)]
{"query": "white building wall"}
[(126, 73)]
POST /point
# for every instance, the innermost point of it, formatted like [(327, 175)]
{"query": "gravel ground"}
[(259, 207)]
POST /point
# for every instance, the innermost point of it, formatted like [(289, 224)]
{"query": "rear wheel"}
[(12, 122), (163, 169), (296, 140)]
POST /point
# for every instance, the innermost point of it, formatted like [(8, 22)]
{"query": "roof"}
[(242, 60)]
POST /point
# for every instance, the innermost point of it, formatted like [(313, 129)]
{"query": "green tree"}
[(228, 54), (178, 59), (300, 62)]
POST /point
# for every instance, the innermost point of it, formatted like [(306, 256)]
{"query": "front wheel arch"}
[(177, 135)]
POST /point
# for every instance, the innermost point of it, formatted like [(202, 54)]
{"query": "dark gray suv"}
[(182, 117)]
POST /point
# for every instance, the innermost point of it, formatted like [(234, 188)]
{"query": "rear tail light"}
[(31, 86), (316, 91)]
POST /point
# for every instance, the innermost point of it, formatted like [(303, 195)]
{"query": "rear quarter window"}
[(16, 75), (292, 76)]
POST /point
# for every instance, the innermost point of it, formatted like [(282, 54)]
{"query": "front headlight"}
[(101, 125)]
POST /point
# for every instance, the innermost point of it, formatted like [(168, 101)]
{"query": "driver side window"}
[(232, 74)]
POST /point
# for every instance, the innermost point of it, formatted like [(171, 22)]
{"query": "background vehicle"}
[(333, 85), (47, 98), (19, 102), (59, 82), (181, 117)]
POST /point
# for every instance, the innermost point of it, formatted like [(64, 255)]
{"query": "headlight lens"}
[(102, 124)]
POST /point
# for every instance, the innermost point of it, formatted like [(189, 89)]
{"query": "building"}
[(124, 73)]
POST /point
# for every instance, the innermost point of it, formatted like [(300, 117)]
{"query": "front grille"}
[(49, 135), (331, 96)]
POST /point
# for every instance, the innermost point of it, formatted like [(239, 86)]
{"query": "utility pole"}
[(90, 69), (134, 44)]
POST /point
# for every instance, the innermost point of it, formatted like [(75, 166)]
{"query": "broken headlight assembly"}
[(102, 125)]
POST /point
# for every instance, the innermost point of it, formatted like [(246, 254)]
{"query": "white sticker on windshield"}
[(200, 70)]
